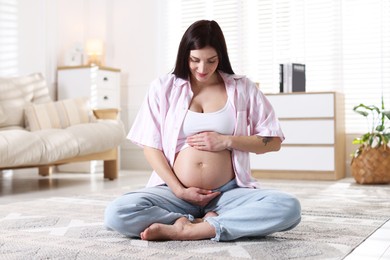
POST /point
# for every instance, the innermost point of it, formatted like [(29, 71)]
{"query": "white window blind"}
[(344, 44), (8, 37), (366, 57)]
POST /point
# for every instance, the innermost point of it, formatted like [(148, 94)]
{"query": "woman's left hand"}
[(208, 141)]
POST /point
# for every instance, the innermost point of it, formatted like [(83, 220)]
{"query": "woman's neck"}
[(214, 80)]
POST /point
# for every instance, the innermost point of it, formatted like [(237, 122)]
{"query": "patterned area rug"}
[(337, 217)]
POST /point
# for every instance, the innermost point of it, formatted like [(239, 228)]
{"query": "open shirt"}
[(162, 113)]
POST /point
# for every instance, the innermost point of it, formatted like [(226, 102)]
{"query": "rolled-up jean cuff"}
[(217, 227)]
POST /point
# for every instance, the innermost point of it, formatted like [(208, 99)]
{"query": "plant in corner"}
[(371, 161)]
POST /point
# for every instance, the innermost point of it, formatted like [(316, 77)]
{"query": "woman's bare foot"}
[(182, 229)]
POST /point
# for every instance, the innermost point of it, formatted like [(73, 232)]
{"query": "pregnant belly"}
[(202, 169)]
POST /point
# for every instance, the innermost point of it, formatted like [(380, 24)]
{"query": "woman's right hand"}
[(197, 196)]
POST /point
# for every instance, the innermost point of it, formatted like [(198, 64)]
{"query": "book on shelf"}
[(292, 77)]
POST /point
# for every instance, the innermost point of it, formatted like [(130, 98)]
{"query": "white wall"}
[(32, 37), (37, 38)]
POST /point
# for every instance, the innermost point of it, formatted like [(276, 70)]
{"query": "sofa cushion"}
[(16, 93), (102, 135), (59, 114), (20, 147)]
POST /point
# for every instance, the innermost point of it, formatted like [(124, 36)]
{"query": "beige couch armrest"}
[(106, 113)]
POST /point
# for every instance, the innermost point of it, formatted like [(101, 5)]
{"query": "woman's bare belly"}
[(203, 169)]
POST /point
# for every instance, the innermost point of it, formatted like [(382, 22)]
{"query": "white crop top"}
[(221, 121)]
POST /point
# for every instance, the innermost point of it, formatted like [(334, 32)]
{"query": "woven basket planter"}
[(372, 166)]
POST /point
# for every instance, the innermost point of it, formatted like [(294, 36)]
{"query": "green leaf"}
[(386, 138), (357, 141), (386, 113), (363, 113), (370, 108), (380, 138), (375, 108), (380, 128), (366, 137), (371, 140)]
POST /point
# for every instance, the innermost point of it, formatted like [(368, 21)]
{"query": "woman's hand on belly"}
[(208, 141), (197, 196)]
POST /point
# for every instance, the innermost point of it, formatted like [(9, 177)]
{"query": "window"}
[(365, 57), (344, 44), (8, 37)]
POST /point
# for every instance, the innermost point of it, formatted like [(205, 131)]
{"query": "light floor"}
[(24, 185)]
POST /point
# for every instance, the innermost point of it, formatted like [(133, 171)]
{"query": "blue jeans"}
[(242, 212)]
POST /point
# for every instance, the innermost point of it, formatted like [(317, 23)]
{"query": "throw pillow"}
[(59, 114)]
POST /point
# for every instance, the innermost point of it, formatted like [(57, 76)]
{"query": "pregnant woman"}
[(197, 127)]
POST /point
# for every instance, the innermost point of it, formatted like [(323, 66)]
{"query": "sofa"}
[(38, 132)]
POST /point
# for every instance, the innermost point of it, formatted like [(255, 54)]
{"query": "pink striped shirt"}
[(162, 114)]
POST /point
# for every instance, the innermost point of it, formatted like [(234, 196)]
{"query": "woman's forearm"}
[(214, 142), (159, 163), (254, 144)]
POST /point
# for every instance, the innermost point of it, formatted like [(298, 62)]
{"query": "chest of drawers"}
[(314, 148), (100, 84)]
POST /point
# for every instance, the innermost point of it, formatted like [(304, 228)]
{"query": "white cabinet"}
[(100, 84), (314, 148)]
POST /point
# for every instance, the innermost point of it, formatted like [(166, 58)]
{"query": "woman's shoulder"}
[(241, 82), (235, 77), (231, 76)]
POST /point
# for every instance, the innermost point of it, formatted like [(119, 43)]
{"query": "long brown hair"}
[(199, 35)]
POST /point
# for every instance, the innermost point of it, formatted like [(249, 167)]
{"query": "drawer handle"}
[(105, 97), (105, 79)]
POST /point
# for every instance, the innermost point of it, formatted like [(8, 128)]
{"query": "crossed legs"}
[(157, 214)]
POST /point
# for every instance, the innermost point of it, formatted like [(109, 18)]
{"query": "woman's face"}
[(203, 63)]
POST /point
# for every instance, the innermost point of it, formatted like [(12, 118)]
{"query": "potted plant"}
[(371, 161)]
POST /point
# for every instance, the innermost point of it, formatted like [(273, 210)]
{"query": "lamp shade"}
[(94, 47), (94, 50)]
